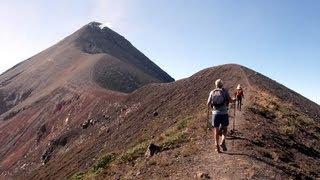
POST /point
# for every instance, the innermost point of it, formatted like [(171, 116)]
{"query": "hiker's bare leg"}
[(216, 135), (223, 139), (224, 134), (216, 138)]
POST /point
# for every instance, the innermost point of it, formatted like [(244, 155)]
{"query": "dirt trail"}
[(234, 163)]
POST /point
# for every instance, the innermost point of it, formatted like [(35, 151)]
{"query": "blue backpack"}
[(218, 98)]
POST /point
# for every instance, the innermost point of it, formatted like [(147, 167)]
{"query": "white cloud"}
[(110, 11), (103, 25)]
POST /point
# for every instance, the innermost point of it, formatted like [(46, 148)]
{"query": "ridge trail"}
[(234, 163)]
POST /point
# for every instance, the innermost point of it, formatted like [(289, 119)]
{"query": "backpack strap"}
[(225, 96)]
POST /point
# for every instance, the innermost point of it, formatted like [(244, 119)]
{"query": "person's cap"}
[(219, 83), (239, 86)]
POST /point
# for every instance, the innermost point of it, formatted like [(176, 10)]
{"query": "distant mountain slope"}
[(91, 57), (129, 70), (91, 69)]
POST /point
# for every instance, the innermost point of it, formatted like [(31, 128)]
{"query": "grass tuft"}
[(262, 111), (103, 162), (78, 176), (173, 140), (134, 152), (183, 123)]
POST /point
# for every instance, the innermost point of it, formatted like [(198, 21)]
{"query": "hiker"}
[(239, 96), (218, 100)]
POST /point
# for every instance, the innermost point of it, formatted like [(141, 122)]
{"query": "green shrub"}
[(292, 122), (291, 116), (288, 113), (103, 162), (306, 120), (134, 152), (273, 103), (263, 111), (173, 140), (183, 123), (78, 176), (287, 129)]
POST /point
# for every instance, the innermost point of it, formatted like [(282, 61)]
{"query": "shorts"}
[(220, 119)]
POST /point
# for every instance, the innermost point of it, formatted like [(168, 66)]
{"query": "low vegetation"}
[(262, 111), (134, 152), (271, 109), (175, 135), (169, 139), (103, 162), (288, 137), (78, 176), (96, 168), (173, 140), (183, 123)]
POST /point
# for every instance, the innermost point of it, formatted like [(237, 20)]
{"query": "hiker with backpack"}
[(218, 100), (239, 96)]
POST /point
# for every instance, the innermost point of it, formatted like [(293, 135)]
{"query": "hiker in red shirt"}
[(239, 96)]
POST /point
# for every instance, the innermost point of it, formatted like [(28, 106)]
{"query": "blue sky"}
[(278, 38)]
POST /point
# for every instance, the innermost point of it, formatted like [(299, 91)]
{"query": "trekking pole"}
[(205, 141), (234, 117)]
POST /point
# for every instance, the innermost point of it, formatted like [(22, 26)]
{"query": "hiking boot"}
[(223, 146)]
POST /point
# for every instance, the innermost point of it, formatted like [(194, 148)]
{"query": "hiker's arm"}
[(209, 99), (208, 104), (208, 110), (232, 100)]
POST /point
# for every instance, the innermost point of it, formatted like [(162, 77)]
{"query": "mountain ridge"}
[(180, 106), (181, 109)]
